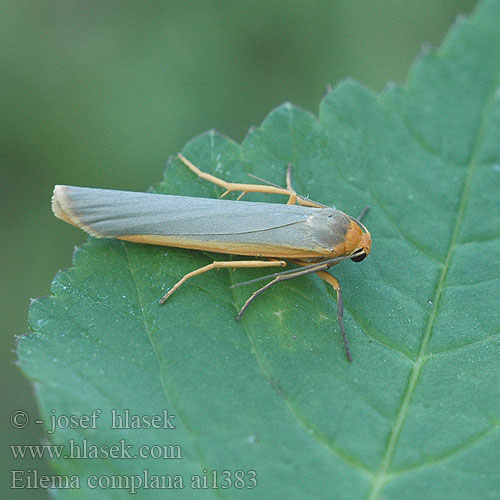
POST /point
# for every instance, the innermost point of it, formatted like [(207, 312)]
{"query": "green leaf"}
[(416, 415)]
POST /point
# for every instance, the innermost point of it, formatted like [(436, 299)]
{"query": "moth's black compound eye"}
[(359, 257)]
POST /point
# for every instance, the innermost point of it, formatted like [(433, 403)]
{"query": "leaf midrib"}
[(381, 478)]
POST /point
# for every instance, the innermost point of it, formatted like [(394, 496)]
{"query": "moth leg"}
[(320, 270), (233, 186), (306, 263), (325, 276), (294, 197), (328, 278), (293, 194), (244, 188), (276, 280), (220, 265)]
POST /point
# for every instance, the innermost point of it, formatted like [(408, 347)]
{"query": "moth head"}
[(364, 245)]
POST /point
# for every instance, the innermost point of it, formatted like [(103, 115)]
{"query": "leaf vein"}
[(179, 412), (470, 443)]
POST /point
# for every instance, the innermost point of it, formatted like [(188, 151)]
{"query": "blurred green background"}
[(101, 93)]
